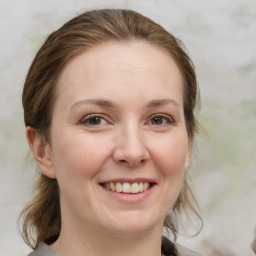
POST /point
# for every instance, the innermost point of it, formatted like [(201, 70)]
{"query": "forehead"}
[(117, 65)]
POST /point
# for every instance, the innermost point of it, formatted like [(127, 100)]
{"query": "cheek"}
[(77, 160), (171, 155), (80, 156), (170, 159)]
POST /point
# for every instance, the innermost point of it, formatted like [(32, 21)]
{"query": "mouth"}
[(127, 188)]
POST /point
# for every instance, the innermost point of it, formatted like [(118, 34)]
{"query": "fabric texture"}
[(44, 250), (182, 251)]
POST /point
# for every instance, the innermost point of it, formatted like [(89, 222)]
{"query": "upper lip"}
[(128, 180)]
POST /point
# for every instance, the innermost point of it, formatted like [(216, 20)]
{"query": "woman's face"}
[(119, 146)]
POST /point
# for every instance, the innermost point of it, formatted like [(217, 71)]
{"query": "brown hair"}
[(42, 217)]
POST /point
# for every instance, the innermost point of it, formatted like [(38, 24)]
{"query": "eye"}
[(93, 120), (161, 120)]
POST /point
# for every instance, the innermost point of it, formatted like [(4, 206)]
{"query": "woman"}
[(108, 105)]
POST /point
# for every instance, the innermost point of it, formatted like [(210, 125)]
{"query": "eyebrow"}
[(98, 102), (109, 104), (161, 102)]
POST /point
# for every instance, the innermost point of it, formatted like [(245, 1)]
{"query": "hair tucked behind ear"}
[(42, 217)]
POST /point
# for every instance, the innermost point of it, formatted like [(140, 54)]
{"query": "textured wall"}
[(221, 39)]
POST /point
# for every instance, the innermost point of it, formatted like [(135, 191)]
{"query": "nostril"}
[(132, 163), (130, 156)]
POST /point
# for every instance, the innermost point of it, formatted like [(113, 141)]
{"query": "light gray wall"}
[(221, 38)]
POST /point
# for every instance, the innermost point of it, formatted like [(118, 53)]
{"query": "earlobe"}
[(41, 152), (189, 154), (188, 161)]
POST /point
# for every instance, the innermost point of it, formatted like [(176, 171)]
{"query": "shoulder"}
[(182, 251), (170, 248), (43, 250)]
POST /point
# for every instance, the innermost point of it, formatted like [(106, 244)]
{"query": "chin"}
[(132, 224)]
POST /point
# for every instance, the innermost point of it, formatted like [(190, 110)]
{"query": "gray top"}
[(182, 251), (44, 250)]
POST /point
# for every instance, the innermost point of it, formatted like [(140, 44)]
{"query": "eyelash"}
[(90, 117), (164, 118), (167, 118)]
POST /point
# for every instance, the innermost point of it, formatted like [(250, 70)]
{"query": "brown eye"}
[(157, 120), (93, 120), (161, 120)]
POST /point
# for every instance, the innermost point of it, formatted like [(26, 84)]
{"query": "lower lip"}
[(129, 198)]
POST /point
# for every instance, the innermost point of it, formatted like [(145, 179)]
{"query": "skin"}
[(135, 92)]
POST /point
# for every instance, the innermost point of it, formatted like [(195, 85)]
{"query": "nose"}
[(130, 149)]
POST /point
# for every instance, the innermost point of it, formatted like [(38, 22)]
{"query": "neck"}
[(98, 244)]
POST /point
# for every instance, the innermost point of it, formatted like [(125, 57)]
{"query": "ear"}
[(189, 153), (41, 151)]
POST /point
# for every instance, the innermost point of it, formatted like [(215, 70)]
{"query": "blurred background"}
[(220, 37)]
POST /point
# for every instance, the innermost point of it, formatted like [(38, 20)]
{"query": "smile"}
[(127, 188)]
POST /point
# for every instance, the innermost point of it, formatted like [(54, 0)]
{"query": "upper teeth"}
[(126, 187)]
